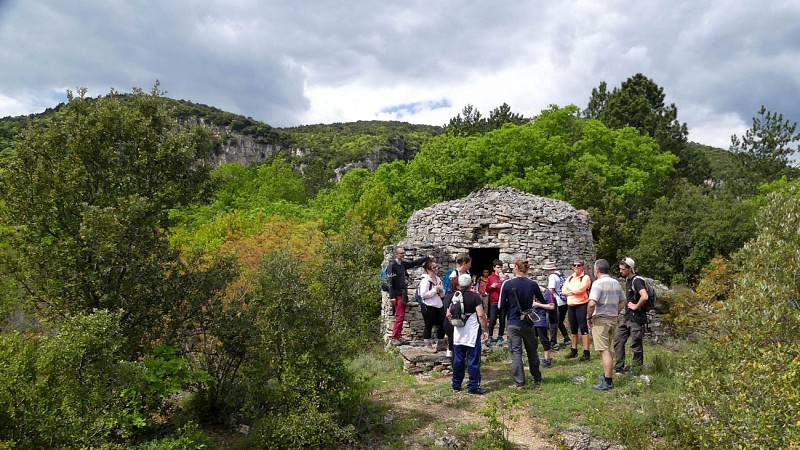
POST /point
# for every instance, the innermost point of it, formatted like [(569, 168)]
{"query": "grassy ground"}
[(413, 411)]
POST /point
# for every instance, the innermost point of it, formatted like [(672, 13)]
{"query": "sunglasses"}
[(577, 265)]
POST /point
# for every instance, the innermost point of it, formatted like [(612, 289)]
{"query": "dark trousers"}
[(628, 328), (432, 317), (542, 333), (494, 314), (560, 314), (577, 319), (448, 327), (471, 356), (517, 338)]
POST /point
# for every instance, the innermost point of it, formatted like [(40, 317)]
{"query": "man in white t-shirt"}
[(555, 280)]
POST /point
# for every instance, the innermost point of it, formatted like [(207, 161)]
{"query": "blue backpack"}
[(446, 283), (383, 278)]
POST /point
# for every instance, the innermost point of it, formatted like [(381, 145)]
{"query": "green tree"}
[(87, 197), (682, 233), (503, 115), (765, 149), (751, 398), (469, 121), (639, 103)]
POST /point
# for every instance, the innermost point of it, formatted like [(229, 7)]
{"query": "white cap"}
[(629, 262), (464, 280)]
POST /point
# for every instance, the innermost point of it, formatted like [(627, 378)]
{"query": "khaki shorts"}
[(603, 332)]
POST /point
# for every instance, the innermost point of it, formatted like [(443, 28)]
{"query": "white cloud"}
[(290, 63)]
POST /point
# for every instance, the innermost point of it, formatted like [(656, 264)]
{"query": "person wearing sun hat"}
[(555, 282)]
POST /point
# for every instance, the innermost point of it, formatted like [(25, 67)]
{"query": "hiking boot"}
[(603, 386), (479, 391), (586, 356), (500, 341), (516, 386), (547, 362), (573, 353)]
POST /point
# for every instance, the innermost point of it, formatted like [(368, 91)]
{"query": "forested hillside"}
[(145, 290)]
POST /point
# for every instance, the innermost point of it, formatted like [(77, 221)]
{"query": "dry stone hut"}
[(492, 223)]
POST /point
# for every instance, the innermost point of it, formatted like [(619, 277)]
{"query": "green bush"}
[(742, 385), (306, 426), (189, 437), (75, 388)]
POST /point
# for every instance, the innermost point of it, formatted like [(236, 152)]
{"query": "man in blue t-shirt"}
[(519, 294)]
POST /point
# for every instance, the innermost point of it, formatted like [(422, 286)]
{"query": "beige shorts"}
[(603, 332)]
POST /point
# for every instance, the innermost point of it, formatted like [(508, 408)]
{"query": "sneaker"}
[(603, 386), (448, 354), (516, 386), (555, 347), (547, 362), (479, 391), (499, 341), (618, 373), (566, 342)]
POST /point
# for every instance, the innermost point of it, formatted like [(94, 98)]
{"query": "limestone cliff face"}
[(396, 149), (246, 149)]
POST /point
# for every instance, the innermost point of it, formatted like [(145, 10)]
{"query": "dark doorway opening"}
[(482, 259)]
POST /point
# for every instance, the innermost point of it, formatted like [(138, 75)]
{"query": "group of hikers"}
[(466, 310)]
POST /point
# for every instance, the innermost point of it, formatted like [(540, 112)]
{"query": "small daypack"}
[(418, 295), (651, 293), (458, 316), (383, 278), (446, 280), (560, 285)]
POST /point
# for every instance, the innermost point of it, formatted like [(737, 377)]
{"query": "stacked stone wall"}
[(519, 225)]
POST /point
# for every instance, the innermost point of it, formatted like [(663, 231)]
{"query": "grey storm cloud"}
[(717, 61)]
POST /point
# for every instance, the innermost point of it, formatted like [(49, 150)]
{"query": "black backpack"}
[(651, 293), (457, 315)]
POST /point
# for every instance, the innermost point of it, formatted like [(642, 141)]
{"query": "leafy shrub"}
[(75, 388), (306, 426), (189, 437), (742, 385)]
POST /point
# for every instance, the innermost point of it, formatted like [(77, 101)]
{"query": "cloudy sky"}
[(308, 61)]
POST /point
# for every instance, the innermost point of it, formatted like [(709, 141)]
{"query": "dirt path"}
[(432, 400)]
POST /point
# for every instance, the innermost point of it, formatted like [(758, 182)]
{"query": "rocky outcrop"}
[(234, 147)]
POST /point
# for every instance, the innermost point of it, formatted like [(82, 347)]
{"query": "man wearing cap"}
[(606, 301), (634, 320), (467, 339)]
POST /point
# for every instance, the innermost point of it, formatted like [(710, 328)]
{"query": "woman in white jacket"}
[(432, 292)]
